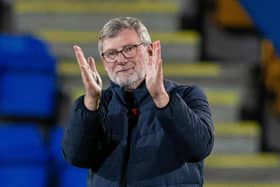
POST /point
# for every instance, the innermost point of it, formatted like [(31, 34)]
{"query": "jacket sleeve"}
[(187, 121), (82, 136)]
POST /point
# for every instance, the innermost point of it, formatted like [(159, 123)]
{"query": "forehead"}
[(124, 37)]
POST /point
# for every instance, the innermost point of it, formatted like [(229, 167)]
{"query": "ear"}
[(103, 63), (102, 60), (150, 49)]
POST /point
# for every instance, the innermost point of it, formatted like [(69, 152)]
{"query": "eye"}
[(111, 54), (129, 48)]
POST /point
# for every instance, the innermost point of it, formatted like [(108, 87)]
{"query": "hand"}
[(154, 76), (91, 79)]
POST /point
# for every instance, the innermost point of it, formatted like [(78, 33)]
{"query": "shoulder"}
[(184, 90), (172, 86)]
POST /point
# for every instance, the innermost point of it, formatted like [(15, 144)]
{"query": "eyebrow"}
[(114, 49)]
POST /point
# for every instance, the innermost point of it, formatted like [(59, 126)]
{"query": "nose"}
[(122, 59)]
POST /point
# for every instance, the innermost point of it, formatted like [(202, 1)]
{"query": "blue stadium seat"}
[(265, 18), (23, 156), (27, 78), (24, 176), (72, 176), (67, 175), (26, 94)]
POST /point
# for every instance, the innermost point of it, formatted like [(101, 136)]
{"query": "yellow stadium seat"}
[(272, 75), (267, 52), (230, 14), (271, 71)]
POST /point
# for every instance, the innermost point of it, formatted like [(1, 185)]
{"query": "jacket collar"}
[(141, 93)]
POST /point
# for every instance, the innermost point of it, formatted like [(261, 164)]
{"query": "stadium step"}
[(35, 21), (109, 7), (236, 137), (182, 46), (91, 15), (258, 170), (79, 21)]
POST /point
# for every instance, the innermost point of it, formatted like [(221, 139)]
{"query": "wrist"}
[(161, 100), (90, 103)]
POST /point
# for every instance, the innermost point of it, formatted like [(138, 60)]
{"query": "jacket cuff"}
[(171, 98), (89, 113)]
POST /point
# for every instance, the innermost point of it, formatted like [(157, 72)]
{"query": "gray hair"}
[(115, 25)]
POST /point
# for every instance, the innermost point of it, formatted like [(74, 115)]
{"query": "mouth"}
[(124, 70)]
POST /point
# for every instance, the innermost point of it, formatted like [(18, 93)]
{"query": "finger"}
[(159, 51), (98, 79), (91, 63), (79, 55), (83, 65), (150, 54), (158, 71), (155, 51), (92, 67), (148, 62), (96, 75), (88, 77), (86, 74)]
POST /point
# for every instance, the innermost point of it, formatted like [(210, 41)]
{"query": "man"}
[(143, 130)]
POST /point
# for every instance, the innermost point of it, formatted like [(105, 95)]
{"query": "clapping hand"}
[(154, 76), (91, 79)]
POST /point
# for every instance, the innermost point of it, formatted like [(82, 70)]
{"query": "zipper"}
[(123, 179), (132, 118)]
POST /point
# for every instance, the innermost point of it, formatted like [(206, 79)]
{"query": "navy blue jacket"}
[(166, 148)]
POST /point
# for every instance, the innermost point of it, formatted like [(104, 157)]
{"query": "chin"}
[(130, 82), (124, 83)]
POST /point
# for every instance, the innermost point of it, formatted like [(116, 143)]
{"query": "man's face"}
[(126, 72)]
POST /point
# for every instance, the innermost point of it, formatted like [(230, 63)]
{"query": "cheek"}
[(143, 59), (109, 68)]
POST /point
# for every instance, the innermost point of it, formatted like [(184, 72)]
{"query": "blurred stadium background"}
[(227, 47)]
